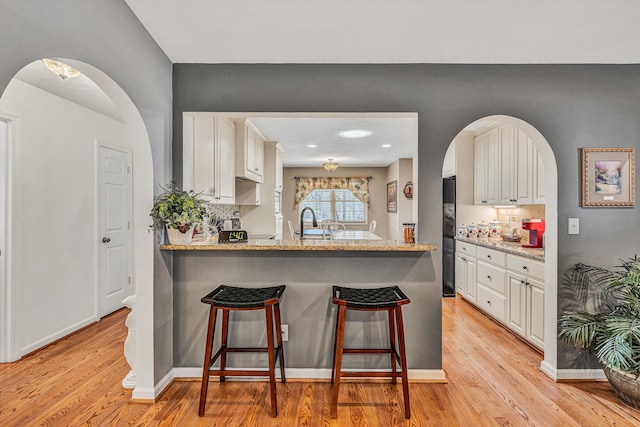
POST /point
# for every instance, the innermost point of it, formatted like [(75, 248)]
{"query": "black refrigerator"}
[(448, 237)]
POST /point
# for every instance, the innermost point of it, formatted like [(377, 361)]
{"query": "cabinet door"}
[(279, 170), (225, 162), (523, 170), (538, 196), (470, 280), (493, 170), (200, 164), (507, 164), (535, 312), (517, 299), (258, 156), (461, 274), (480, 170)]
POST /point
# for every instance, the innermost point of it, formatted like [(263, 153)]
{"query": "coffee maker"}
[(535, 228)]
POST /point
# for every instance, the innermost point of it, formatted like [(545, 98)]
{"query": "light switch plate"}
[(574, 226)]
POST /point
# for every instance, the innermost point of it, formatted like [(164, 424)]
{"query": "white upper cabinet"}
[(508, 169), (487, 174), (209, 156), (516, 166), (249, 152)]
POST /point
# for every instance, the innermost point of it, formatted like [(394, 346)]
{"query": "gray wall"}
[(573, 106), (106, 35), (306, 305)]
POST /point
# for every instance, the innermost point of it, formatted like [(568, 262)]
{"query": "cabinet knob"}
[(488, 302), (524, 267), (489, 277), (489, 256), (464, 249), (522, 282)]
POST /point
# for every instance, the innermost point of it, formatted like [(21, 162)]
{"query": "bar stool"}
[(390, 299), (229, 298)]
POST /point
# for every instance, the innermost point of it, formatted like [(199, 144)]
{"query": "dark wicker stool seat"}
[(229, 298), (390, 299)]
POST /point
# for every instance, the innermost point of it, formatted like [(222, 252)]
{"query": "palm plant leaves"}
[(613, 336)]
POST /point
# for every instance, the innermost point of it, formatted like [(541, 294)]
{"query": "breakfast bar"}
[(309, 269)]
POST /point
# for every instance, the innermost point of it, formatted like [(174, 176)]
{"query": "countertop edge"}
[(309, 245), (499, 245)]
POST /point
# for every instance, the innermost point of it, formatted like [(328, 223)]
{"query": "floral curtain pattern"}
[(359, 186)]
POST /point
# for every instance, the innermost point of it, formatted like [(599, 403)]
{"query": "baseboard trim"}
[(318, 374), (148, 394), (569, 375), (57, 336), (549, 370)]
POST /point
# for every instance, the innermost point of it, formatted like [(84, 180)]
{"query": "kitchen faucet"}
[(313, 215)]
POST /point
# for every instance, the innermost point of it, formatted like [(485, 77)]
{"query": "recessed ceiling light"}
[(355, 133), (312, 145), (386, 146)]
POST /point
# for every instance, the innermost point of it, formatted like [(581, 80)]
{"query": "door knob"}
[(106, 240)]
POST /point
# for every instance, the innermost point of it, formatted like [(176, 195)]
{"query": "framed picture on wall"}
[(608, 177), (392, 196)]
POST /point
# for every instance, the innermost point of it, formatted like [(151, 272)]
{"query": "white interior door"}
[(114, 228)]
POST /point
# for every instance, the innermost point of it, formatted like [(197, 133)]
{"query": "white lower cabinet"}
[(466, 276), (508, 287)]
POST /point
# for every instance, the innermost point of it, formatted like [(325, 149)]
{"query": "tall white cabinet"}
[(208, 161), (508, 169)]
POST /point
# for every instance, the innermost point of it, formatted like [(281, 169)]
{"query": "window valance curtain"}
[(359, 186)]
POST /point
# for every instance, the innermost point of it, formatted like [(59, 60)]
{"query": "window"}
[(335, 205)]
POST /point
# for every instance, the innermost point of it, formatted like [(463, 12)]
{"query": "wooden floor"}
[(494, 380)]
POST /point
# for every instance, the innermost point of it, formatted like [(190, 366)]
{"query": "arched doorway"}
[(549, 364), (135, 135)]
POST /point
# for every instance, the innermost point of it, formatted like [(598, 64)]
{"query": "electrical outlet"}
[(285, 332)]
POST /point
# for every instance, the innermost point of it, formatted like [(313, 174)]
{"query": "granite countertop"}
[(509, 247), (305, 245)]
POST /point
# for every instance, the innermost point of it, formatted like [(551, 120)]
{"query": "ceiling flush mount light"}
[(60, 69), (355, 133), (330, 166), (386, 146), (312, 145)]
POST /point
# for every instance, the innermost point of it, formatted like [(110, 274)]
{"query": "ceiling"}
[(367, 31), (393, 31)]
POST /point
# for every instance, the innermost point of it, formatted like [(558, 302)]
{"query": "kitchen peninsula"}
[(309, 268)]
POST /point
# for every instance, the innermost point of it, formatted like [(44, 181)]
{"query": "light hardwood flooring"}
[(493, 380)]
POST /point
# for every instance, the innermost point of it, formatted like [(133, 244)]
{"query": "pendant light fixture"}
[(330, 167)]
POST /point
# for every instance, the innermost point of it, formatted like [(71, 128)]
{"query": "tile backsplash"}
[(512, 218), (222, 211)]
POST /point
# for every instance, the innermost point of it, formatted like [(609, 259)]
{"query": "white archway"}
[(550, 363), (142, 174)]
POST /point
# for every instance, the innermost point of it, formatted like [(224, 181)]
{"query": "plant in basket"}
[(179, 212)]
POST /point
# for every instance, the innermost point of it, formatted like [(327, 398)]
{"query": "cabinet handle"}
[(522, 282), (527, 283), (524, 267)]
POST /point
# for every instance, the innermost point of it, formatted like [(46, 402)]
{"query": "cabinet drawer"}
[(492, 256), (526, 266), (492, 277), (494, 304), (465, 248)]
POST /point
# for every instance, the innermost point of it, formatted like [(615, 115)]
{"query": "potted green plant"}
[(613, 335), (179, 212)]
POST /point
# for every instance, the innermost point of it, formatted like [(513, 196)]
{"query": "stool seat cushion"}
[(386, 297), (237, 297)]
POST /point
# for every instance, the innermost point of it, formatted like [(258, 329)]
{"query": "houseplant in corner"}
[(613, 335), (179, 212)]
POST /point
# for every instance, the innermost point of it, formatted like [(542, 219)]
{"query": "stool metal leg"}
[(342, 314), (207, 359), (272, 361), (276, 310), (403, 362), (392, 341), (225, 336)]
